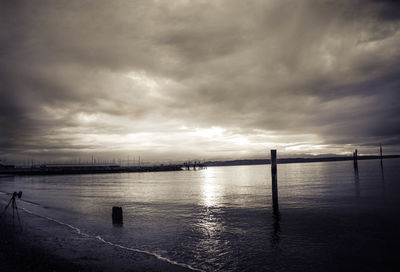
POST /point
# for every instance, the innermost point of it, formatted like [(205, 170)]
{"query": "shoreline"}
[(79, 170), (295, 160), (40, 245), (93, 169)]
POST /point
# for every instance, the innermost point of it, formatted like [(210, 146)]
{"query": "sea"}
[(331, 217)]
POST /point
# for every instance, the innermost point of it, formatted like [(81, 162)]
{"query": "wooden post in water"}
[(117, 215), (274, 177), (380, 151), (355, 159)]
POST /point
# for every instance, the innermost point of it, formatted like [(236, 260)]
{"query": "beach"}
[(26, 247), (20, 253)]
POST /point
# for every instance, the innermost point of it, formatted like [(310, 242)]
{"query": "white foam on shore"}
[(58, 222), (99, 238), (149, 253)]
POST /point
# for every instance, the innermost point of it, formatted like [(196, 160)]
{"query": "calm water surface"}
[(220, 219)]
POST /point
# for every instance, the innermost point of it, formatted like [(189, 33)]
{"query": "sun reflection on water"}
[(209, 190), (209, 194), (210, 223)]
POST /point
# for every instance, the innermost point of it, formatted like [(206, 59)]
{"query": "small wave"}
[(30, 202), (98, 237), (58, 222), (149, 253)]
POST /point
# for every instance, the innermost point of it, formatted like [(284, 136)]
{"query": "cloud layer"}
[(197, 79)]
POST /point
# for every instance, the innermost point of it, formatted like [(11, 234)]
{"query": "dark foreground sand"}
[(19, 254), (27, 247)]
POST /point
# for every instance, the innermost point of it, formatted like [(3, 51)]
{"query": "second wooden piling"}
[(274, 177)]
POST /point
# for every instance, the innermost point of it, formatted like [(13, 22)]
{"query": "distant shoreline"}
[(294, 160), (110, 169), (85, 169)]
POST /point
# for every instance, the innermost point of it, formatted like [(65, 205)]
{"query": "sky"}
[(178, 79)]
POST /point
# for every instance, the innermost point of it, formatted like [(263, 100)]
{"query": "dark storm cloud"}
[(70, 69)]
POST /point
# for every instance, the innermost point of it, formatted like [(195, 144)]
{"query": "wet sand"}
[(27, 247), (20, 251)]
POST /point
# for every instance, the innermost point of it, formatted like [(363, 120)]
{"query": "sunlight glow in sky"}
[(220, 79)]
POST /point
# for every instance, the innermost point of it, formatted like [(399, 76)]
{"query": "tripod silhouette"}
[(14, 206)]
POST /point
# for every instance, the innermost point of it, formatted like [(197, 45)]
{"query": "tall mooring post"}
[(355, 159), (274, 177)]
